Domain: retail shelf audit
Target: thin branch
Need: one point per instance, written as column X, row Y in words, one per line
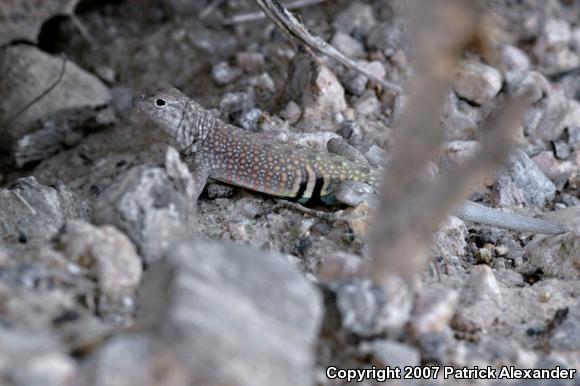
column 294, row 29
column 253, row 16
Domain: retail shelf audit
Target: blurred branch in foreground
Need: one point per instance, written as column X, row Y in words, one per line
column 411, row 208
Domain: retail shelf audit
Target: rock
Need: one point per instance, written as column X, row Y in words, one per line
column 26, row 74
column 356, row 20
column 556, row 34
column 366, row 309
column 291, row 112
column 575, row 40
column 63, row 129
column 515, row 59
column 481, row 286
column 131, row 360
column 460, row 121
column 393, row 354
column 341, row 266
column 34, row 359
column 154, row 208
column 531, row 82
column 217, row 190
column 222, row 73
column 557, row 171
column 250, row 61
column 314, row 87
column 249, row 119
column 433, row 310
column 477, row 82
column 23, row 19
column 522, row 182
column 457, row 152
column 347, row 45
column 30, row 212
column 235, row 103
column 548, row 119
column 107, row 253
column 229, row 301
column 376, row 156
column 449, row 241
column 386, row 37
column 557, row 256
column 185, row 7
column 566, row 336
column 368, row 105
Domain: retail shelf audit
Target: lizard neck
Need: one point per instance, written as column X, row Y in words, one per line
column 194, row 128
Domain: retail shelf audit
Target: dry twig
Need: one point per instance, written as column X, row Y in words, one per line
column 294, row 29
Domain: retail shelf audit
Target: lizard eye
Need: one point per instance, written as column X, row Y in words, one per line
column 160, row 102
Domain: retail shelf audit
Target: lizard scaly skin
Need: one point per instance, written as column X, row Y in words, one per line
column 238, row 157
column 229, row 154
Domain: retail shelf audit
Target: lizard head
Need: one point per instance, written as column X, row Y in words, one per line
column 165, row 107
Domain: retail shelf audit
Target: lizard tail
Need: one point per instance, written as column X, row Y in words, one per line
column 470, row 211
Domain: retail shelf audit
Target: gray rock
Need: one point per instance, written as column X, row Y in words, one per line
column 185, row 7
column 33, row 359
column 23, row 19
column 63, row 129
column 348, row 45
column 555, row 34
column 376, row 156
column 30, row 212
column 357, row 19
column 222, row 73
column 217, row 190
column 314, row 87
column 477, row 82
column 368, row 105
column 557, row 256
column 367, row 309
column 229, row 301
column 522, row 182
column 475, row 317
column 575, row 40
column 531, row 82
column 291, row 112
column 386, row 37
column 26, row 73
column 433, row 310
column 107, row 253
column 151, row 206
column 449, row 241
column 249, row 119
column 394, row 354
column 481, row 286
column 566, row 336
column 515, row 59
column 557, row 171
column 460, row 122
column 250, row 61
column 131, row 360
column 235, row 102
column 548, row 119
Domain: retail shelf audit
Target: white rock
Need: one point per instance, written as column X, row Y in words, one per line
column 477, row 82
column 515, row 59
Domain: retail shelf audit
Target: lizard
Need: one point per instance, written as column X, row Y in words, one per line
column 223, row 152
